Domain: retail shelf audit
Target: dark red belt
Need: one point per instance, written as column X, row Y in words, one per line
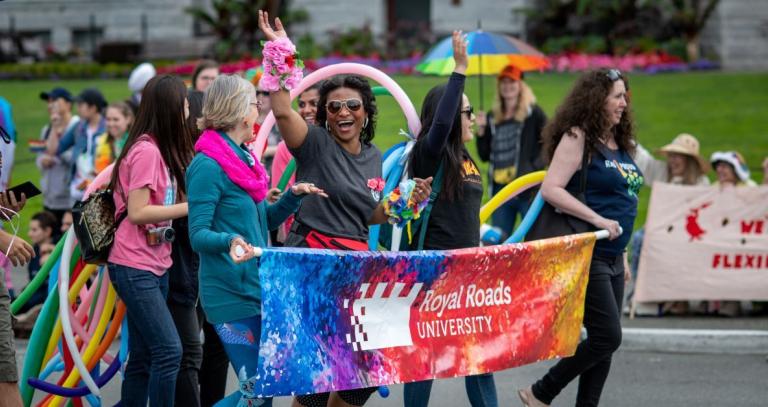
column 317, row 240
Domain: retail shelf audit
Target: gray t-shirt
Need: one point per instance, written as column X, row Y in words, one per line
column 345, row 178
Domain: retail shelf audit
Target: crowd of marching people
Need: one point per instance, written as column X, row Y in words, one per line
column 193, row 202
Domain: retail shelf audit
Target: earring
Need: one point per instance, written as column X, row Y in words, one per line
column 327, row 127
column 365, row 123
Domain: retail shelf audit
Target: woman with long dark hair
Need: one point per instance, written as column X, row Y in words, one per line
column 594, row 116
column 454, row 223
column 147, row 180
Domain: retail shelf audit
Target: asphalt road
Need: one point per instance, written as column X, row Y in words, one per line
column 637, row 379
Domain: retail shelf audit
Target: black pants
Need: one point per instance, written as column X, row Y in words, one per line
column 602, row 318
column 213, row 372
column 187, row 325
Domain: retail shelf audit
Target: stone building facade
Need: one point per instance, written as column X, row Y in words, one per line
column 737, row 33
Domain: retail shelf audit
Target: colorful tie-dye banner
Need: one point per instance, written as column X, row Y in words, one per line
column 344, row 320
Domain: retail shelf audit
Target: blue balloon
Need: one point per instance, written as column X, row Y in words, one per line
column 527, row 222
column 392, row 171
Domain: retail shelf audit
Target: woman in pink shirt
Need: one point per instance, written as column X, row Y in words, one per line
column 147, row 181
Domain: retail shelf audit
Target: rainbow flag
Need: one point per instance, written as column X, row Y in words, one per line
column 37, row 146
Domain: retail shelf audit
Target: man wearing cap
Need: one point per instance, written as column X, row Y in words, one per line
column 56, row 169
column 82, row 140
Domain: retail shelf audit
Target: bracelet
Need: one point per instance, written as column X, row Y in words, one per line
column 282, row 65
column 400, row 207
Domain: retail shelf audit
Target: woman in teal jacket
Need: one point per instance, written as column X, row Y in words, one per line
column 228, row 217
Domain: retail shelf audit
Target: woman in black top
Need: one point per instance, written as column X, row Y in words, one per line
column 446, row 120
column 509, row 137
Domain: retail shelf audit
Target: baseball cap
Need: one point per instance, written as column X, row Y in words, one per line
column 56, row 93
column 511, row 72
column 93, row 97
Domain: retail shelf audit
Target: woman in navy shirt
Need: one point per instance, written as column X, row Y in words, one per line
column 596, row 116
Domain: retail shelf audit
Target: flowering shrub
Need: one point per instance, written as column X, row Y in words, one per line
column 649, row 62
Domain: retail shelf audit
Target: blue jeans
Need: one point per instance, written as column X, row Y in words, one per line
column 481, row 391
column 636, row 245
column 154, row 348
column 505, row 216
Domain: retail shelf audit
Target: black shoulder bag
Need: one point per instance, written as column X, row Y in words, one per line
column 552, row 222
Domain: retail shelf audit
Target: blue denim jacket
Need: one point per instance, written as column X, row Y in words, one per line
column 77, row 139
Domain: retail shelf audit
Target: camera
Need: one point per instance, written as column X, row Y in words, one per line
column 158, row 236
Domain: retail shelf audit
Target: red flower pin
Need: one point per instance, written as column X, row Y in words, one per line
column 376, row 184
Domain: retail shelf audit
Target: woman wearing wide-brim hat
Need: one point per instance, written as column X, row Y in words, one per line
column 683, row 165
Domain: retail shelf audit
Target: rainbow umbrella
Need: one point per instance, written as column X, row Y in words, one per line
column 488, row 54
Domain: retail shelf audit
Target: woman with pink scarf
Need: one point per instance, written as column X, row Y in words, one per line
column 228, row 217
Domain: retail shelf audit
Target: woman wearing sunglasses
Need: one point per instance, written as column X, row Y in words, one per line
column 595, row 115
column 336, row 155
column 446, row 126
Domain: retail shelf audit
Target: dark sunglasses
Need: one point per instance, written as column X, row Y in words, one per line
column 262, row 93
column 303, row 104
column 5, row 136
column 335, row 106
column 469, row 111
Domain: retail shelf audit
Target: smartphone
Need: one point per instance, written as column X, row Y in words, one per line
column 28, row 189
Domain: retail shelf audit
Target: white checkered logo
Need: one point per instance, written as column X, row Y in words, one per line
column 381, row 321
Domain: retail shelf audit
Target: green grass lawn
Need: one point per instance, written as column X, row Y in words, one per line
column 726, row 111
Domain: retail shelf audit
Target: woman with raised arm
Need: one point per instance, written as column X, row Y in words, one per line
column 446, row 126
column 336, row 155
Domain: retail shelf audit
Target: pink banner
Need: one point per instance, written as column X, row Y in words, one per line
column 705, row 243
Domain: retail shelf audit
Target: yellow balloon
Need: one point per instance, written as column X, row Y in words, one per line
column 524, row 182
column 56, row 333
column 74, row 375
